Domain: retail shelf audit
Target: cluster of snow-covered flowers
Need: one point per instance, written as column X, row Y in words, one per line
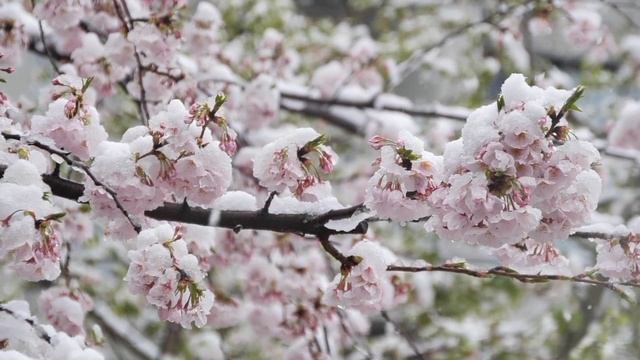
column 170, row 278
column 618, row 255
column 363, row 71
column 626, row 129
column 25, row 339
column 296, row 162
column 71, row 121
column 516, row 181
column 366, row 285
column 65, row 309
column 516, row 172
column 173, row 159
column 406, row 176
column 28, row 232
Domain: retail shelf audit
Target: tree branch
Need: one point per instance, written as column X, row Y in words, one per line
column 525, row 278
column 229, row 219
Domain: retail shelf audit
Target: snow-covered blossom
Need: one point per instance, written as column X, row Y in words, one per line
column 61, row 14
column 508, row 180
column 366, row 286
column 24, row 338
column 169, row 276
column 262, row 102
column 156, row 47
column 105, row 63
column 28, row 232
column 70, row 122
column 274, row 57
column 294, row 162
column 533, row 257
column 65, row 309
column 406, row 176
column 619, row 257
column 626, row 129
column 329, row 78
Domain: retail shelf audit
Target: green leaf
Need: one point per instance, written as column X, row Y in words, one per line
column 86, row 83
column 320, row 140
column 56, row 216
column 407, row 154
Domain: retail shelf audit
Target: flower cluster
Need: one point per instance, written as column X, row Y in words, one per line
column 363, row 71
column 168, row 160
column 625, row 131
column 25, row 339
column 169, row 276
column 71, row 122
column 366, row 286
column 28, row 223
column 406, row 176
column 516, row 173
column 294, row 162
column 65, row 309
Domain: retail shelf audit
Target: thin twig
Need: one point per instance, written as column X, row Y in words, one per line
column 525, row 278
column 415, row 60
column 407, row 337
column 267, row 204
column 45, row 47
column 142, row 103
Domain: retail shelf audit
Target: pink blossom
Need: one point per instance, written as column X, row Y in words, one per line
column 169, row 276
column 65, row 309
column 365, row 286
column 294, row 162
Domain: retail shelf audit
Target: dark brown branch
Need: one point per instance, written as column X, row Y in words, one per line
column 230, row 219
column 267, row 204
column 325, row 113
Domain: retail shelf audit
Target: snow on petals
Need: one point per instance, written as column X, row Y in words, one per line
column 28, row 231
column 65, row 309
column 294, row 162
column 405, row 178
column 170, row 278
column 366, row 286
column 516, row 173
column 72, row 123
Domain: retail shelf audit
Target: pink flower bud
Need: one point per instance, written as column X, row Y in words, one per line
column 377, row 142
column 228, row 143
column 326, row 162
column 70, row 109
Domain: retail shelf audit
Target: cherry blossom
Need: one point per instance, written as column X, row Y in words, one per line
column 508, row 180
column 366, row 286
column 407, row 175
column 200, row 135
column 295, row 162
column 65, row 309
column 165, row 272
